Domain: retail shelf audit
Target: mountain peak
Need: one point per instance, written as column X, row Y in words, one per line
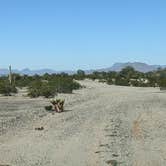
column 142, row 67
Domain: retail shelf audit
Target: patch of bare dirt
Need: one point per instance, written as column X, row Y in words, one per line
column 103, row 125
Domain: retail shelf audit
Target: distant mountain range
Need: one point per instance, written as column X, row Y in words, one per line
column 32, row 72
column 142, row 67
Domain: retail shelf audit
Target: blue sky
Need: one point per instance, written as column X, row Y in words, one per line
column 86, row 34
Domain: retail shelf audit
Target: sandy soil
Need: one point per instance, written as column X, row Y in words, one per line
column 102, row 125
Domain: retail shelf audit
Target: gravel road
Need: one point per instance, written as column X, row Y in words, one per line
column 102, row 126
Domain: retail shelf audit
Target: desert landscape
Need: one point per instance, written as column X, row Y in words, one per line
column 82, row 83
column 102, row 125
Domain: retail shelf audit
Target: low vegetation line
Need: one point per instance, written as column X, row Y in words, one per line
column 49, row 85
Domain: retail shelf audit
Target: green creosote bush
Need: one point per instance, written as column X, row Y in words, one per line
column 122, row 82
column 39, row 88
column 50, row 88
column 64, row 85
column 7, row 89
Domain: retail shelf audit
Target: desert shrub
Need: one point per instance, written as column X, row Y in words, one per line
column 129, row 72
column 33, row 92
column 39, row 88
column 64, row 84
column 110, row 81
column 54, row 84
column 162, row 82
column 102, row 81
column 80, row 75
column 137, row 83
column 47, row 91
column 122, row 81
column 6, row 89
column 22, row 81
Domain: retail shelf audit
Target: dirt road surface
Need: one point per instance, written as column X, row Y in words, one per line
column 102, row 126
